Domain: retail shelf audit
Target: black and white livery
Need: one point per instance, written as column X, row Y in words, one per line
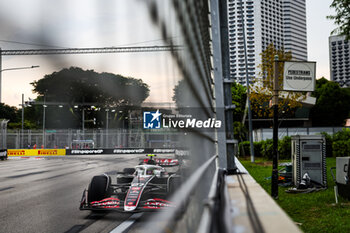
column 143, row 188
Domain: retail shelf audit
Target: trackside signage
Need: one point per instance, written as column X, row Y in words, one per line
column 63, row 152
column 86, row 152
column 299, row 76
column 125, row 151
column 36, row 152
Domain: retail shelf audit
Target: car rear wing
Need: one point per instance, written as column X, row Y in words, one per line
column 163, row 162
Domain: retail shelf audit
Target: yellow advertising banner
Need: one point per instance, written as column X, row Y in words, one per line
column 36, row 152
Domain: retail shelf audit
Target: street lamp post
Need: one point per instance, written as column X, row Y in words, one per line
column 44, row 107
column 22, row 135
column 23, row 105
column 107, row 111
column 83, row 118
column 15, row 68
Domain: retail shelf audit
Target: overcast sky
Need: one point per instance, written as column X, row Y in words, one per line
column 318, row 31
column 82, row 23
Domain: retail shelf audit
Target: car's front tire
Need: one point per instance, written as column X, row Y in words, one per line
column 98, row 188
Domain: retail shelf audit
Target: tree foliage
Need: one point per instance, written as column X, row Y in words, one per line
column 342, row 17
column 332, row 104
column 14, row 116
column 239, row 96
column 18, row 125
column 9, row 113
column 75, row 85
column 180, row 93
column 262, row 88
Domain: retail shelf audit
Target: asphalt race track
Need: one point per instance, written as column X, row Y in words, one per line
column 43, row 195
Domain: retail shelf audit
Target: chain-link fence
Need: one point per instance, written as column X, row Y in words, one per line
column 3, row 134
column 188, row 23
column 189, row 77
column 266, row 133
column 116, row 138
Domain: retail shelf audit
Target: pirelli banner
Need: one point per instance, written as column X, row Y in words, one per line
column 36, row 152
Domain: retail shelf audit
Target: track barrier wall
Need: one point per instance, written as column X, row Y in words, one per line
column 63, row 152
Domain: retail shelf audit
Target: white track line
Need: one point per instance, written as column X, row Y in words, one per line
column 124, row 226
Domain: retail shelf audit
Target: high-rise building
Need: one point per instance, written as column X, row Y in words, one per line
column 339, row 63
column 294, row 28
column 265, row 22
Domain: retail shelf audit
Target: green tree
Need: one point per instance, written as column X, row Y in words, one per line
column 332, row 104
column 262, row 88
column 75, row 85
column 342, row 17
column 9, row 113
column 179, row 91
column 18, row 125
column 239, row 96
column 240, row 131
column 86, row 88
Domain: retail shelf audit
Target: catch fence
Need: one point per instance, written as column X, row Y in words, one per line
column 266, row 133
column 112, row 138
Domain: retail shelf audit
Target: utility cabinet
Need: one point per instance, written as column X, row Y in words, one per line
column 343, row 172
column 343, row 176
column 309, row 156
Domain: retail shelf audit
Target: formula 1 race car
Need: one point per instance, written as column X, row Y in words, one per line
column 143, row 188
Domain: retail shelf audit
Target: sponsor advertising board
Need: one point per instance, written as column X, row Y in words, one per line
column 85, row 151
column 36, row 152
column 63, row 152
column 122, row 151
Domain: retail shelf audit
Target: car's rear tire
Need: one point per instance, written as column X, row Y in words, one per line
column 98, row 188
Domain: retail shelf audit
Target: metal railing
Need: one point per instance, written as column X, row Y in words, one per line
column 266, row 133
column 189, row 23
column 3, row 134
column 170, row 219
column 116, row 138
column 198, row 73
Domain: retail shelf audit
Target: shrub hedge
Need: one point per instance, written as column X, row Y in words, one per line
column 261, row 149
column 341, row 143
column 337, row 145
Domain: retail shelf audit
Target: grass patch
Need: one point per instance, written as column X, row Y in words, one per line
column 316, row 212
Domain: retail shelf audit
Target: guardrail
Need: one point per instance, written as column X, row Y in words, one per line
column 169, row 219
column 216, row 214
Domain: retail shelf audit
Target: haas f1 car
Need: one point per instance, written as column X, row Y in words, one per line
column 143, row 188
